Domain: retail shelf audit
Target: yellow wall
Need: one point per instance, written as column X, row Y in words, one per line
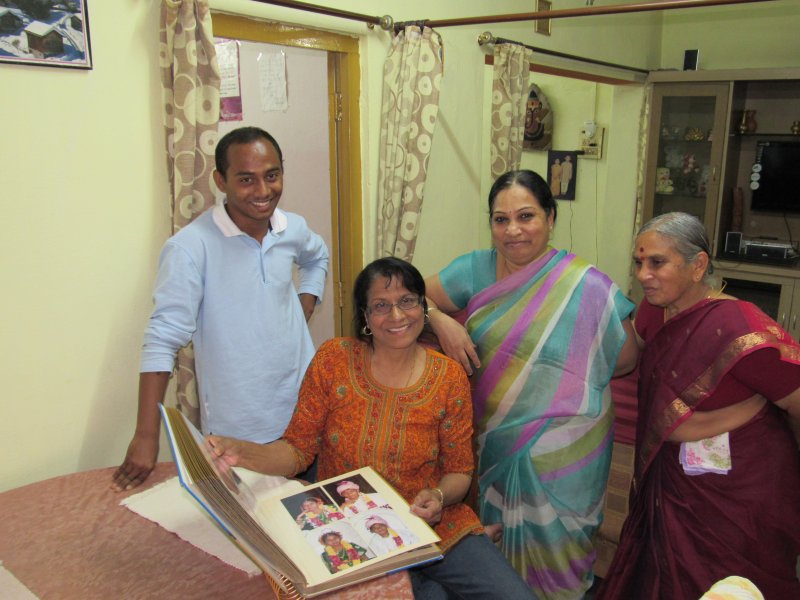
column 83, row 214
column 85, row 200
column 763, row 35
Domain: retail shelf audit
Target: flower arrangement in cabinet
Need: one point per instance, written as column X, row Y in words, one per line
column 686, row 176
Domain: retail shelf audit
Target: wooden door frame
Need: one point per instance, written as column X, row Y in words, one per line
column 344, row 86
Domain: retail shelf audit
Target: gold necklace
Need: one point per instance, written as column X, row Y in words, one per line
column 413, row 366
column 718, row 293
column 410, row 372
column 508, row 268
column 711, row 295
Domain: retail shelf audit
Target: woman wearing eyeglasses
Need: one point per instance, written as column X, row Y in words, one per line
column 382, row 399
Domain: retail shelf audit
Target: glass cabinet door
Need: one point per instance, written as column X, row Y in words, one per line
column 684, row 162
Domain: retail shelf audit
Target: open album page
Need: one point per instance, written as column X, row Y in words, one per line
column 355, row 521
column 318, row 537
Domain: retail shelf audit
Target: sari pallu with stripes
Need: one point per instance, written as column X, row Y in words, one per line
column 548, row 337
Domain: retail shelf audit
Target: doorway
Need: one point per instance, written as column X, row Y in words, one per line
column 320, row 140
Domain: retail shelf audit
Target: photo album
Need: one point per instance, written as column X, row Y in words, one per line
column 307, row 539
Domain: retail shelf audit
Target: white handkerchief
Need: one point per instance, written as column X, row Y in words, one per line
column 171, row 506
column 711, row 455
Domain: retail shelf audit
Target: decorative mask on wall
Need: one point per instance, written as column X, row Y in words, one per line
column 538, row 121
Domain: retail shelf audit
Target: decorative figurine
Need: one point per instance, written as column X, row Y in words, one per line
column 743, row 123
column 752, row 125
column 694, row 134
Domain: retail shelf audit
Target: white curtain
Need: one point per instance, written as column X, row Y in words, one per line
column 190, row 87
column 411, row 80
column 509, row 93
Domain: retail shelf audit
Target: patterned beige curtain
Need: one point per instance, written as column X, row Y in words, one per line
column 411, row 80
column 644, row 127
column 190, row 87
column 509, row 92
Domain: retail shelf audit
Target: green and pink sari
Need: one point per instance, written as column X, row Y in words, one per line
column 548, row 338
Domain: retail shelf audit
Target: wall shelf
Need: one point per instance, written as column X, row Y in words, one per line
column 764, row 134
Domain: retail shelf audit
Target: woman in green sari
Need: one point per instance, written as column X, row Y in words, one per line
column 545, row 331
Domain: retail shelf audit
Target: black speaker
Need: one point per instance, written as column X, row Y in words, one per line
column 690, row 58
column 733, row 243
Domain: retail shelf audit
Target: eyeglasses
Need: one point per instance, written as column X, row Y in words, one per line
column 406, row 303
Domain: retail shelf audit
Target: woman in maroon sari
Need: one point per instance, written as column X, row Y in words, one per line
column 716, row 490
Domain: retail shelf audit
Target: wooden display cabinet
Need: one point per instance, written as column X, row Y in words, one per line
column 769, row 288
column 685, row 149
column 694, row 140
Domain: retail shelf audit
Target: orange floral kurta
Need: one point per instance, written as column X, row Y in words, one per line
column 411, row 436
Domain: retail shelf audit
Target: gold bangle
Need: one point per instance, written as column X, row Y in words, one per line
column 441, row 494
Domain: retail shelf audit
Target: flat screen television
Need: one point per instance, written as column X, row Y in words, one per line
column 775, row 179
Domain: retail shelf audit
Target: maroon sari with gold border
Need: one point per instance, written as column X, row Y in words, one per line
column 686, row 532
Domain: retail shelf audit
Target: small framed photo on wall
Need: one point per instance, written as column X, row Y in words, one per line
column 47, row 34
column 543, row 25
column 562, row 173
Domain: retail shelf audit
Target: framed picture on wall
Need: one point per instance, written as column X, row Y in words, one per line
column 45, row 33
column 562, row 174
column 543, row 25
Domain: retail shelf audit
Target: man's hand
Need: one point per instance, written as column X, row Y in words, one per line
column 143, row 449
column 139, row 462
column 309, row 303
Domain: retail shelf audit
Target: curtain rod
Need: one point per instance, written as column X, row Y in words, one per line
column 385, row 22
column 487, row 38
column 587, row 11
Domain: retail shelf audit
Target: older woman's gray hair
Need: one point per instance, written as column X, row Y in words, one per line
column 687, row 234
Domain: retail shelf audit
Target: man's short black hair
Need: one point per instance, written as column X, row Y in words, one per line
column 243, row 135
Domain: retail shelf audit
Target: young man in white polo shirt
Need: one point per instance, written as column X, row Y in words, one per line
column 225, row 284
